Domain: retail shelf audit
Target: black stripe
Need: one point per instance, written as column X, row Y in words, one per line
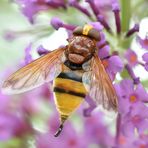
column 71, row 76
column 73, row 66
column 56, row 89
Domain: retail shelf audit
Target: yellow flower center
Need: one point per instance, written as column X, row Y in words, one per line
column 72, row 142
column 142, row 146
column 133, row 58
column 133, row 98
column 122, row 140
column 146, row 41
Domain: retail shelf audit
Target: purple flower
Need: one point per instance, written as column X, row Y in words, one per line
column 143, row 42
column 97, row 26
column 132, row 120
column 131, row 73
column 12, row 125
column 7, row 130
column 142, row 141
column 103, row 47
column 98, row 6
column 97, row 132
column 124, row 142
column 102, row 20
column 133, row 30
column 73, row 137
column 116, row 10
column 131, row 57
column 4, row 102
column 69, row 137
column 28, row 56
column 113, row 65
column 129, row 95
column 136, row 118
column 9, row 35
column 31, row 105
column 104, row 52
column 132, row 141
column 93, row 6
column 145, row 58
column 31, row 7
column 57, row 23
column 42, row 51
column 75, row 3
column 47, row 140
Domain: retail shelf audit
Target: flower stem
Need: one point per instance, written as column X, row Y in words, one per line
column 125, row 14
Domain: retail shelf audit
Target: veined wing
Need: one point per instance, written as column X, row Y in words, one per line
column 99, row 85
column 36, row 73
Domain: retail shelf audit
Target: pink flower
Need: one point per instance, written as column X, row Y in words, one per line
column 131, row 57
column 143, row 42
column 145, row 58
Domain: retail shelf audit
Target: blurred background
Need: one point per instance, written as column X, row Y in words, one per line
column 29, row 120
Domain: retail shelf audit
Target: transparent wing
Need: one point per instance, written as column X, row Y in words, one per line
column 99, row 85
column 42, row 70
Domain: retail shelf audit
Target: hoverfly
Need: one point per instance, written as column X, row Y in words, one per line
column 76, row 72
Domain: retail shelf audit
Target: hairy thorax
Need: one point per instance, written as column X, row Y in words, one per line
column 80, row 49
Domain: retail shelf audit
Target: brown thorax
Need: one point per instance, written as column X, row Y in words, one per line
column 80, row 49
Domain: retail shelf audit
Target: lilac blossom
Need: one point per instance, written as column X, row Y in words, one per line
column 67, row 139
column 145, row 58
column 97, row 26
column 31, row 7
column 57, row 23
column 97, row 132
column 117, row 56
column 42, row 51
column 113, row 65
column 133, row 30
column 75, row 3
column 28, row 57
column 104, row 52
column 18, row 127
column 129, row 95
column 100, row 6
column 101, row 19
column 131, row 73
column 116, row 10
column 136, row 119
column 143, row 42
column 131, row 57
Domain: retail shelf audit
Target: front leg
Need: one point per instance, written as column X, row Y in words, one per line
column 87, row 111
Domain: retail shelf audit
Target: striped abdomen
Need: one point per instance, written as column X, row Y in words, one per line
column 69, row 93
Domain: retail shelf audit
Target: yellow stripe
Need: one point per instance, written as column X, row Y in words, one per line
column 67, row 103
column 86, row 29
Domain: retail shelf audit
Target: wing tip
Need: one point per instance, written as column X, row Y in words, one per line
column 6, row 91
column 5, row 88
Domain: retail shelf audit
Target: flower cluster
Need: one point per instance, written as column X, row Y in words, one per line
column 113, row 21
